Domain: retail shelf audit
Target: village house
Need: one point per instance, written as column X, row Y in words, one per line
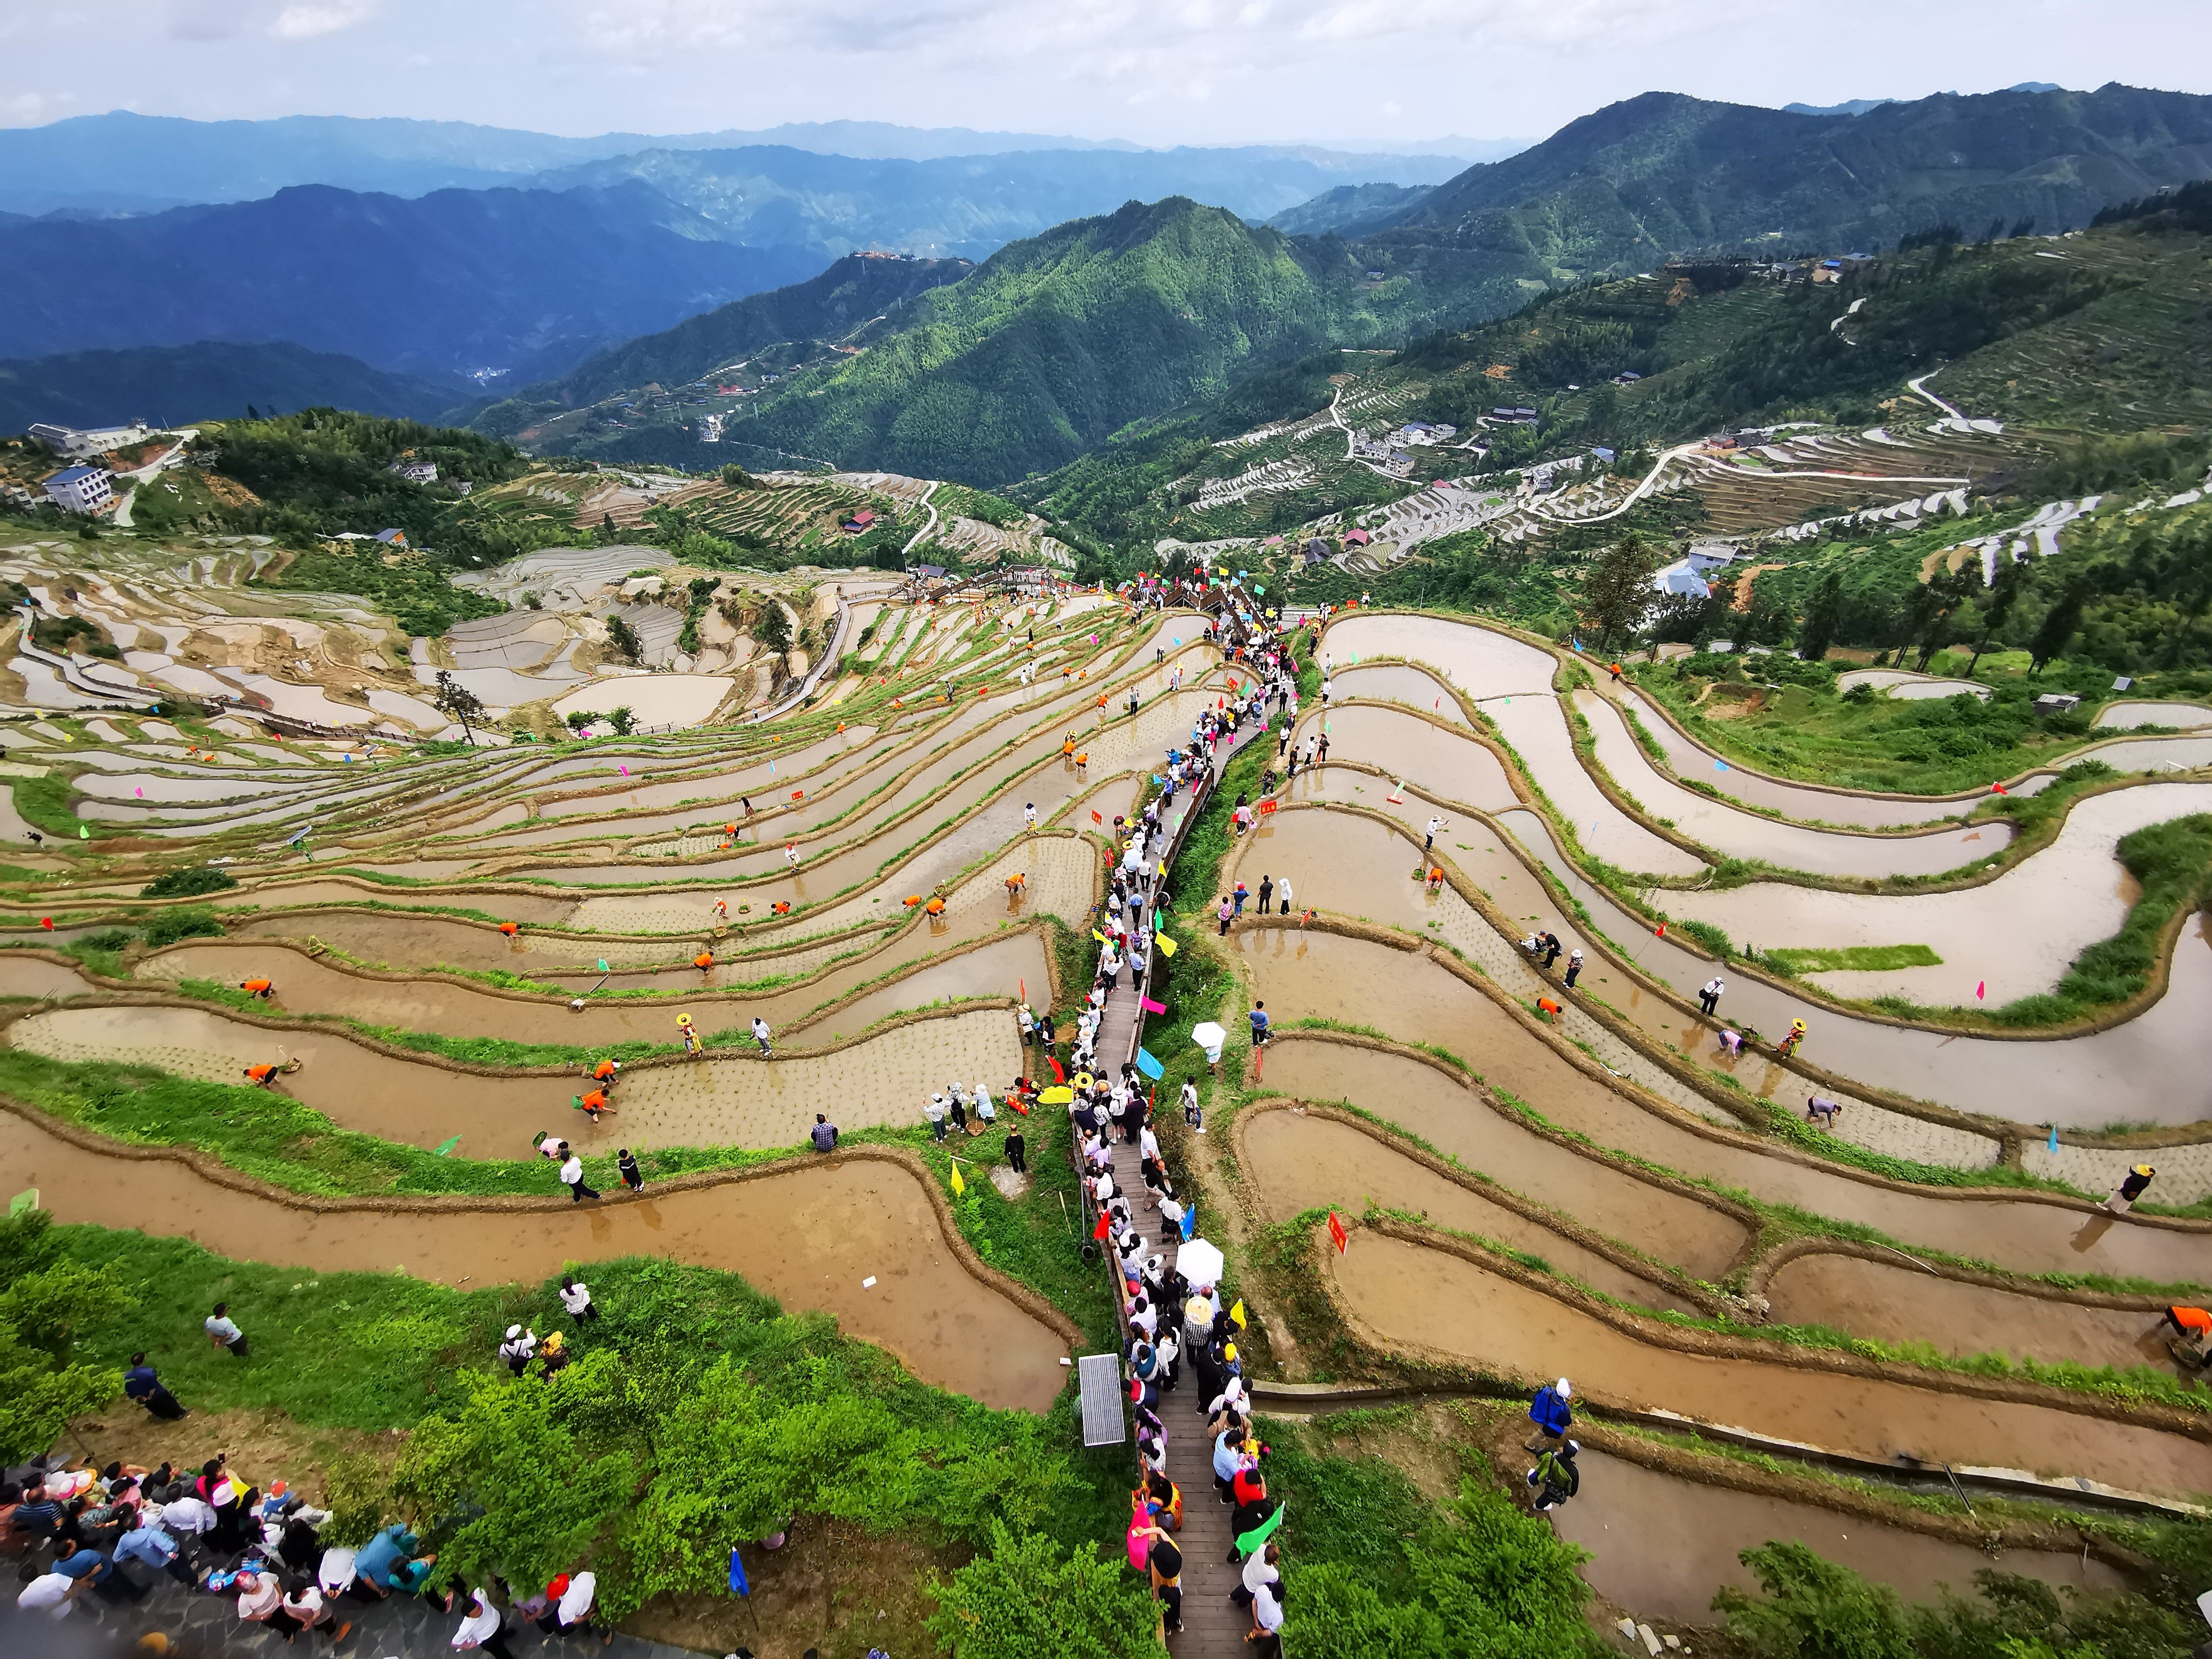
column 81, row 488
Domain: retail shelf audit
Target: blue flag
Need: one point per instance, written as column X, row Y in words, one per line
column 738, row 1585
column 1151, row 1067
column 1577, row 644
column 1189, row 1223
column 1720, row 766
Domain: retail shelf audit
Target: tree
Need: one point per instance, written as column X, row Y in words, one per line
column 453, row 698
column 1932, row 605
column 1027, row 1597
column 1811, row 1608
column 624, row 638
column 2059, row 625
column 1617, row 592
column 772, row 627
column 622, row 720
column 49, row 1303
column 1818, row 629
column 1997, row 609
column 736, row 478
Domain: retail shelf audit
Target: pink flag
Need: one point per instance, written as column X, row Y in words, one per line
column 1153, row 1007
column 1981, row 988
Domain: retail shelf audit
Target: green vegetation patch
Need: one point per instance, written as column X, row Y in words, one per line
column 1861, row 958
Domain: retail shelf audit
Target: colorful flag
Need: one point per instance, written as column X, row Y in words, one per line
column 1336, row 1231
column 1249, row 1543
column 1189, row 1223
column 1999, row 788
column 1146, row 1064
column 959, row 1185
column 1100, row 937
column 1151, row 1006
column 1981, row 990
column 1720, row 766
column 1103, row 1226
column 1167, row 945
column 447, row 1148
column 1236, row 1313
column 1097, row 817
column 737, row 1585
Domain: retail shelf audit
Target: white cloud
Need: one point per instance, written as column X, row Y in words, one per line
column 310, row 21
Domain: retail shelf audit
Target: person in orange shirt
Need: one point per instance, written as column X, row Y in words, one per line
column 594, row 1104
column 722, row 909
column 704, row 961
column 510, row 928
column 264, row 989
column 262, row 1076
column 935, row 907
column 604, row 1073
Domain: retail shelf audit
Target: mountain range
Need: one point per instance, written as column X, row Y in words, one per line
column 970, row 206
column 1661, row 174
column 440, row 285
column 171, row 386
column 120, row 162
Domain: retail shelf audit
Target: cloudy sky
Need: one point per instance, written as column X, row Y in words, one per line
column 1157, row 71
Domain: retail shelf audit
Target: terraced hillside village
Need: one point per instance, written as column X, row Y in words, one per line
column 1751, row 1000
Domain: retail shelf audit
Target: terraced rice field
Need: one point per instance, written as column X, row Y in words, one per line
column 1538, row 1177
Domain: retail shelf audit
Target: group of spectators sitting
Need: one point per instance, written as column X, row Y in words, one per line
column 110, row 1532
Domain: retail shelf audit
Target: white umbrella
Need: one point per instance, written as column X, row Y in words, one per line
column 1199, row 1263
column 1208, row 1036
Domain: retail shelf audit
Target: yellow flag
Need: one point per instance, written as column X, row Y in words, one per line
column 1236, row 1315
column 1167, row 945
column 959, row 1185
column 1100, row 937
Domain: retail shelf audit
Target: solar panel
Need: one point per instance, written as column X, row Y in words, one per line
column 1098, row 1376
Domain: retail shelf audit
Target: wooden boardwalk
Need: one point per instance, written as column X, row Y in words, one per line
column 1213, row 1626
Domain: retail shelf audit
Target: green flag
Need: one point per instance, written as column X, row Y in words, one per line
column 602, row 966
column 448, row 1146
column 84, row 834
column 24, row 1202
column 1250, row 1543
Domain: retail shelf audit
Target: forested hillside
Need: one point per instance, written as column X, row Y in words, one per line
column 171, row 386
column 850, row 293
column 1057, row 342
column 1663, row 174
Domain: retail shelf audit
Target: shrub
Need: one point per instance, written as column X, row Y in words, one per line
column 192, row 880
column 191, row 922
column 1028, row 1596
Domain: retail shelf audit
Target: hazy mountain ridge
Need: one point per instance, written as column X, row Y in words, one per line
column 171, row 386
column 440, row 284
column 970, row 206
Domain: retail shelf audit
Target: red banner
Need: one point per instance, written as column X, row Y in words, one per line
column 1336, row 1232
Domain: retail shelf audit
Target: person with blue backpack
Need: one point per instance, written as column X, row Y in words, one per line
column 1552, row 1411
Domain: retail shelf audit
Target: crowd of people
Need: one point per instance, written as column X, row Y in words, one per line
column 114, row 1532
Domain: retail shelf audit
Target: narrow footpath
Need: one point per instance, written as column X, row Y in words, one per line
column 1214, row 1627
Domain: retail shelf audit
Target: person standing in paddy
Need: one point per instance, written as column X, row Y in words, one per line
column 760, row 1034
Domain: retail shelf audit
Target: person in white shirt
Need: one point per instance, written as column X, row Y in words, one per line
column 574, row 1606
column 1148, row 1143
column 577, row 1299
column 480, row 1629
column 188, row 1514
column 572, row 1178
column 518, row 1348
column 760, row 1033
column 54, row 1593
column 337, row 1571
column 223, row 1332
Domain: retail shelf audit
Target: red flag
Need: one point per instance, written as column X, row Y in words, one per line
column 1267, row 806
column 1058, row 1074
column 1336, row 1231
column 798, row 794
column 1103, row 1227
column 1662, row 930
column 47, row 923
column 1026, row 990
column 1097, row 817
column 2000, row 788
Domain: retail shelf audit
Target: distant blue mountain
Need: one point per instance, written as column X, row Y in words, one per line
column 526, row 281
column 170, row 385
